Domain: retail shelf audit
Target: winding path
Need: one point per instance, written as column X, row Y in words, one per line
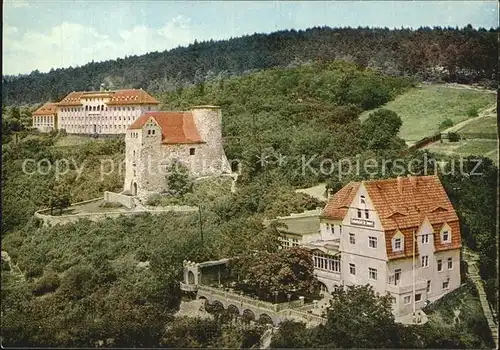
column 14, row 269
column 486, row 112
column 472, row 260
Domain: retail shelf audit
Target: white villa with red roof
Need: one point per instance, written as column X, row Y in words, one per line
column 156, row 139
column 367, row 232
column 95, row 112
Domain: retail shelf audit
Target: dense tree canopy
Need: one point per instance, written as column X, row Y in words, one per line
column 464, row 55
column 360, row 318
column 275, row 275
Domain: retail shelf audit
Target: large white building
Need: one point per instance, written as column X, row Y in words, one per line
column 400, row 235
column 97, row 112
column 45, row 117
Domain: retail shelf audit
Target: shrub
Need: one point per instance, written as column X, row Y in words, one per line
column 47, row 284
column 110, row 205
column 32, row 270
column 178, row 179
column 78, row 282
column 142, row 255
column 5, row 266
column 445, row 124
column 453, row 137
column 153, row 200
column 472, row 112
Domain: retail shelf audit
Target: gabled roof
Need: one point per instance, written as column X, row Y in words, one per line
column 117, row 97
column 176, row 127
column 337, row 206
column 47, row 109
column 132, row 96
column 402, row 204
column 412, row 200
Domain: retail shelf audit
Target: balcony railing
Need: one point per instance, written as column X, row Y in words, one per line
column 399, row 288
column 188, row 287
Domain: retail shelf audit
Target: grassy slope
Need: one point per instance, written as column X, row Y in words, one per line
column 461, row 309
column 74, row 140
column 481, row 125
column 484, row 147
column 423, row 109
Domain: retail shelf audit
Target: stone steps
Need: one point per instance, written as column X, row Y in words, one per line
column 473, row 273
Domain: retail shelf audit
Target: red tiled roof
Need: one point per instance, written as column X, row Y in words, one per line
column 337, row 206
column 403, row 204
column 456, row 239
column 407, row 244
column 406, row 204
column 132, row 96
column 118, row 97
column 176, row 127
column 47, row 109
column 73, row 99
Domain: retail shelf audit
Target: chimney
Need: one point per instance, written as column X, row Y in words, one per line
column 102, row 87
column 400, row 185
column 413, row 180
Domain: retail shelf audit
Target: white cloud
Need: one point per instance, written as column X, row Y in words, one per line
column 72, row 44
column 17, row 3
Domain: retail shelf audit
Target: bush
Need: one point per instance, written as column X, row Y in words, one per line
column 445, row 124
column 453, row 137
column 178, row 179
column 472, row 112
column 33, row 270
column 78, row 282
column 5, row 266
column 153, row 200
column 142, row 255
column 47, row 284
column 111, row 205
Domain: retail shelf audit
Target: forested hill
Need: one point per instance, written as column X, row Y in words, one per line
column 465, row 55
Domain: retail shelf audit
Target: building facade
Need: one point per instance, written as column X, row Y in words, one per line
column 45, row 117
column 157, row 139
column 401, row 236
column 101, row 112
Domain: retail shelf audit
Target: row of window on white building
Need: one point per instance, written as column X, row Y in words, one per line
column 99, row 108
column 105, row 118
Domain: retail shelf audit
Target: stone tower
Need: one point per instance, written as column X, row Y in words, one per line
column 157, row 139
column 208, row 120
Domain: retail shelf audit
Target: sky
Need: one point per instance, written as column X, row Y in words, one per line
column 45, row 34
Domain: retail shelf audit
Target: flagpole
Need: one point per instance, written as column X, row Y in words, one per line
column 413, row 271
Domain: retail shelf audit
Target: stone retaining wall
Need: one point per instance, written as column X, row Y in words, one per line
column 49, row 220
column 44, row 212
column 126, row 201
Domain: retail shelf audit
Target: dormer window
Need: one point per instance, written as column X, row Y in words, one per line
column 398, row 242
column 362, row 200
column 446, row 234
